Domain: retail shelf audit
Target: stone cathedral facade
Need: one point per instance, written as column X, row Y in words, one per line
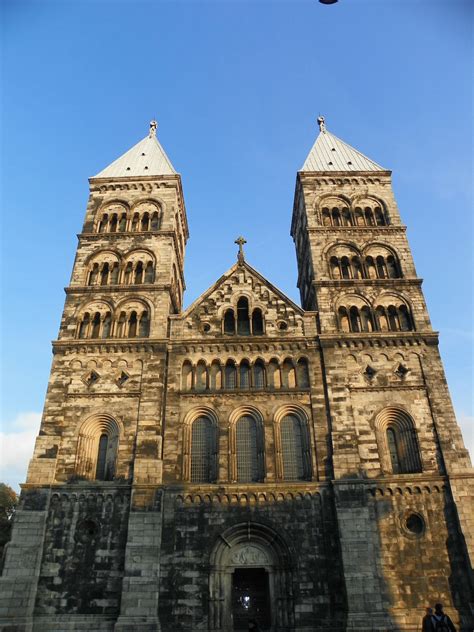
column 246, row 457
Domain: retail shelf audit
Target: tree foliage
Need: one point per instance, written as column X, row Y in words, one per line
column 8, row 503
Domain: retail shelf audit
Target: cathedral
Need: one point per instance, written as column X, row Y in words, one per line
column 244, row 459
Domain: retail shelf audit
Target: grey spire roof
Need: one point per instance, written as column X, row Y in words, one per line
column 146, row 158
column 330, row 153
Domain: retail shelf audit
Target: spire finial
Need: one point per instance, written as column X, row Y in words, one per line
column 240, row 241
column 153, row 126
column 321, row 123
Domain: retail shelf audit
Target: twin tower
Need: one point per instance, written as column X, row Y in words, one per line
column 244, row 458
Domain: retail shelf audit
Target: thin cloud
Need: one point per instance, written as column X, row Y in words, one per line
column 16, row 448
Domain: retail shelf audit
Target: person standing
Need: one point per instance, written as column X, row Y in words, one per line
column 441, row 622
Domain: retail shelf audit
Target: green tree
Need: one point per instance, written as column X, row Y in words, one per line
column 8, row 503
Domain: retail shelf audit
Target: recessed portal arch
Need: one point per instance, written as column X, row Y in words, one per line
column 251, row 577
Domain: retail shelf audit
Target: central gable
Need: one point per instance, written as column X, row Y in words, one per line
column 244, row 297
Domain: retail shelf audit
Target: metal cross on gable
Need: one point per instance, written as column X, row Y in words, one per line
column 240, row 241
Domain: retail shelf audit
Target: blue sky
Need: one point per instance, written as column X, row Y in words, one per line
column 236, row 87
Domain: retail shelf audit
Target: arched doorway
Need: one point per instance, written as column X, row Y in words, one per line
column 251, row 578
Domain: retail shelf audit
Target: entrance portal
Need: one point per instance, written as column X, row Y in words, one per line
column 250, row 598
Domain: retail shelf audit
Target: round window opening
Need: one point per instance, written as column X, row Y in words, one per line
column 87, row 531
column 282, row 326
column 415, row 524
column 206, row 328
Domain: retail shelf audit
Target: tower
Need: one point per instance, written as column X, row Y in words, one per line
column 245, row 457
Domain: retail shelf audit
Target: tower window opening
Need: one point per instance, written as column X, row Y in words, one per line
column 243, row 321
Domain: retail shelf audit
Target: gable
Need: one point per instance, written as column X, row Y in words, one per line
column 206, row 315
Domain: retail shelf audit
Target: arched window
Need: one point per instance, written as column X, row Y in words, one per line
column 393, row 318
column 243, row 321
column 399, row 444
column 346, row 217
column 84, row 326
column 104, row 220
column 94, row 273
column 273, row 374
column 257, row 322
column 187, row 376
column 370, row 267
column 144, row 328
column 293, row 448
column 244, row 374
column 345, row 268
column 145, row 223
column 326, row 217
column 216, row 376
column 121, row 325
column 369, row 217
column 259, row 374
column 230, row 375
column 113, row 223
column 366, row 319
column 302, row 373
column 404, row 317
column 356, row 268
column 203, row 451
column 132, row 325
column 359, row 217
column 149, row 272
column 382, row 318
column 201, row 376
column 335, row 269
column 104, row 274
column 114, row 274
column 381, row 269
column 379, row 217
column 336, row 217
column 128, row 273
column 288, row 374
column 249, row 451
column 354, row 319
column 229, row 322
column 95, row 325
column 97, row 448
column 135, row 221
column 123, row 223
column 393, row 268
column 343, row 319
column 138, row 273
column 155, row 221
column 106, row 325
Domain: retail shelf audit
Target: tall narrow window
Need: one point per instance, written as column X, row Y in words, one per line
column 84, row 326
column 244, row 374
column 343, row 319
column 94, row 273
column 121, row 325
column 102, row 458
column 247, row 450
column 326, row 217
column 123, row 223
column 393, row 450
column 369, row 217
column 302, row 373
column 393, row 318
column 104, row 274
column 288, row 374
column 128, row 273
column 382, row 318
column 155, row 221
column 354, row 319
column 243, row 321
column 335, row 269
column 257, row 322
column 139, row 273
column 113, row 223
column 292, row 448
column 392, row 267
column 144, row 328
column 404, row 318
column 106, row 325
column 379, row 217
column 187, row 376
column 229, row 322
column 135, row 221
column 259, row 374
column 203, row 451
column 359, row 217
column 230, row 375
column 366, row 319
column 201, row 376
column 215, row 376
column 345, row 268
column 114, row 274
column 149, row 272
column 356, row 268
column 274, row 374
column 346, row 217
column 336, row 217
column 132, row 325
column 381, row 269
column 103, row 223
column 145, row 223
column 95, row 325
column 370, row 267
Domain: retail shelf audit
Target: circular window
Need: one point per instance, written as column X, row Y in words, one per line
column 87, row 530
column 414, row 524
column 206, row 328
column 282, row 326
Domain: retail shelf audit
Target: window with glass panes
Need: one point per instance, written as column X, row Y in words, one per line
column 203, row 448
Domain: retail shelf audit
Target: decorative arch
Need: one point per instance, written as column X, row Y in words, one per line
column 97, row 447
column 292, row 444
column 207, row 452
column 398, row 442
column 251, row 545
column 247, row 445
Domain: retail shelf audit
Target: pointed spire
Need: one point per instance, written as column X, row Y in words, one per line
column 146, row 158
column 330, row 153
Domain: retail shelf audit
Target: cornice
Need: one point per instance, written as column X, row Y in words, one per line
column 379, row 339
column 128, row 233
column 117, row 288
column 343, row 283
column 137, row 345
column 370, row 230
